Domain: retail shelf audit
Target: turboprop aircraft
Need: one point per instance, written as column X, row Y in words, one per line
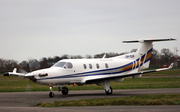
column 95, row 71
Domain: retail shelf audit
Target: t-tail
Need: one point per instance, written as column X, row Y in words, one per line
column 143, row 54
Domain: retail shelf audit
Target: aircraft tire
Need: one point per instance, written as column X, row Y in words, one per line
column 51, row 94
column 65, row 91
column 109, row 92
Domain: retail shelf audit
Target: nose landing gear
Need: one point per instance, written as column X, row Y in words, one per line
column 51, row 94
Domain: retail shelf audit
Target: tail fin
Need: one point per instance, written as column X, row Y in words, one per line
column 143, row 55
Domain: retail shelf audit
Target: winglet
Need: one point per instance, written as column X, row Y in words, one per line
column 171, row 66
column 15, row 70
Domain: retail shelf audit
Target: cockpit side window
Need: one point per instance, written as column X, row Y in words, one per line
column 69, row 65
column 59, row 64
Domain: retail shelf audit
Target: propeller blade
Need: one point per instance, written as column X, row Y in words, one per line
column 28, row 87
column 20, row 70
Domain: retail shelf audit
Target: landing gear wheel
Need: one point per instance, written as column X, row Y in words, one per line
column 65, row 90
column 51, row 94
column 109, row 92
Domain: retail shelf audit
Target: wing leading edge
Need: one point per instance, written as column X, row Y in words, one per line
column 14, row 73
column 91, row 81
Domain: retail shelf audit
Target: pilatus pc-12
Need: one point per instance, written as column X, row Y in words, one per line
column 95, row 71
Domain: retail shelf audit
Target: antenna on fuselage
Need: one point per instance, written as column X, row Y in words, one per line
column 104, row 56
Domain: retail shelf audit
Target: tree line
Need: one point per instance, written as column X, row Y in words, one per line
column 165, row 57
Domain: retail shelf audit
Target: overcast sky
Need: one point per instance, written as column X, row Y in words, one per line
column 48, row 28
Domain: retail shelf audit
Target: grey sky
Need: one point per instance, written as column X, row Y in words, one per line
column 46, row 28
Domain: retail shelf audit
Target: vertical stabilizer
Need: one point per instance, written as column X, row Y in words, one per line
column 143, row 54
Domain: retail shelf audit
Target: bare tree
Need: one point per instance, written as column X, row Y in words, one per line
column 99, row 55
column 88, row 56
column 7, row 65
column 65, row 56
column 155, row 58
column 166, row 56
column 75, row 57
column 133, row 50
column 2, row 63
column 34, row 64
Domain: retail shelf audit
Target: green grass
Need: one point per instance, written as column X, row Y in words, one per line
column 167, row 99
column 18, row 84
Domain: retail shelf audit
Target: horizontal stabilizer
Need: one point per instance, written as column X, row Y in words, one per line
column 148, row 40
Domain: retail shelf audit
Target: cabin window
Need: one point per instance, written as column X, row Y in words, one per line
column 69, row 65
column 97, row 65
column 106, row 65
column 84, row 66
column 90, row 66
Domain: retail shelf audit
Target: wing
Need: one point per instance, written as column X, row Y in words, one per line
column 14, row 73
column 96, row 80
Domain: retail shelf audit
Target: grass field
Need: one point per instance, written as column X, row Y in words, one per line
column 19, row 84
column 167, row 99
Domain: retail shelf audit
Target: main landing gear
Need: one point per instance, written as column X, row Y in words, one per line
column 64, row 91
column 109, row 92
column 107, row 88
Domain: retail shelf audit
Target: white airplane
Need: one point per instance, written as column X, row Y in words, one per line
column 95, row 71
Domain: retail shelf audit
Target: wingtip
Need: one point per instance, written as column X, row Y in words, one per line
column 171, row 66
column 172, row 38
column 15, row 70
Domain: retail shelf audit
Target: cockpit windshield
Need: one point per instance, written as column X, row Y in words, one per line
column 63, row 65
column 59, row 64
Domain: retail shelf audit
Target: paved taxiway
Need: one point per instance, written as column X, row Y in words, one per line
column 25, row 100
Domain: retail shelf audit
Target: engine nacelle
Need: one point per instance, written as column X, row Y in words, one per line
column 136, row 76
column 119, row 79
column 6, row 74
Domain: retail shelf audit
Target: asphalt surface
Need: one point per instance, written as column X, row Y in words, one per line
column 26, row 101
column 95, row 109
